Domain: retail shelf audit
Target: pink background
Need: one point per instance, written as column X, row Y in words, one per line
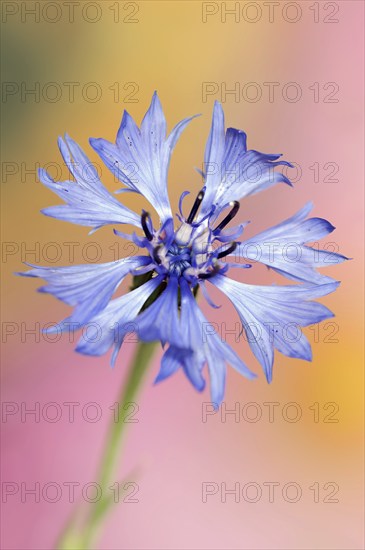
column 172, row 50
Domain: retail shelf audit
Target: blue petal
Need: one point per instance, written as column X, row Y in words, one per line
column 160, row 321
column 141, row 157
column 282, row 247
column 88, row 202
column 232, row 172
column 117, row 320
column 206, row 346
column 176, row 357
column 217, row 377
column 190, row 346
column 284, row 343
column 170, row 363
column 213, row 158
column 88, row 287
column 270, row 314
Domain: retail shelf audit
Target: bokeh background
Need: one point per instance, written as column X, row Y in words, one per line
column 113, row 55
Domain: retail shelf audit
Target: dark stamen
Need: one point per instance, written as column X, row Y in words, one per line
column 156, row 257
column 197, row 203
column 227, row 251
column 145, row 216
column 215, row 270
column 235, row 208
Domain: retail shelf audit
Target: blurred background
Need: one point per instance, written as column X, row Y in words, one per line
column 291, row 75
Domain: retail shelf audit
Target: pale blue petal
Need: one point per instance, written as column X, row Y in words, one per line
column 87, row 287
column 231, row 171
column 140, row 157
column 115, row 321
column 271, row 314
column 88, row 202
column 213, row 158
column 217, row 377
column 283, row 248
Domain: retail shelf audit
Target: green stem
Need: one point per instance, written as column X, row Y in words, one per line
column 127, row 395
column 70, row 538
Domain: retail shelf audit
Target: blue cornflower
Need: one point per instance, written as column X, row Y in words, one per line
column 179, row 259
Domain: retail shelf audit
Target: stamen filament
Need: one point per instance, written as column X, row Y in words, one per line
column 215, row 270
column 235, row 208
column 144, row 221
column 156, row 257
column 227, row 251
column 196, row 205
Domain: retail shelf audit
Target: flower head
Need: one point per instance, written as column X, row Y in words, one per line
column 176, row 259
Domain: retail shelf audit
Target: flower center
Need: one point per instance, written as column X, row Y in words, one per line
column 179, row 258
column 188, row 251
